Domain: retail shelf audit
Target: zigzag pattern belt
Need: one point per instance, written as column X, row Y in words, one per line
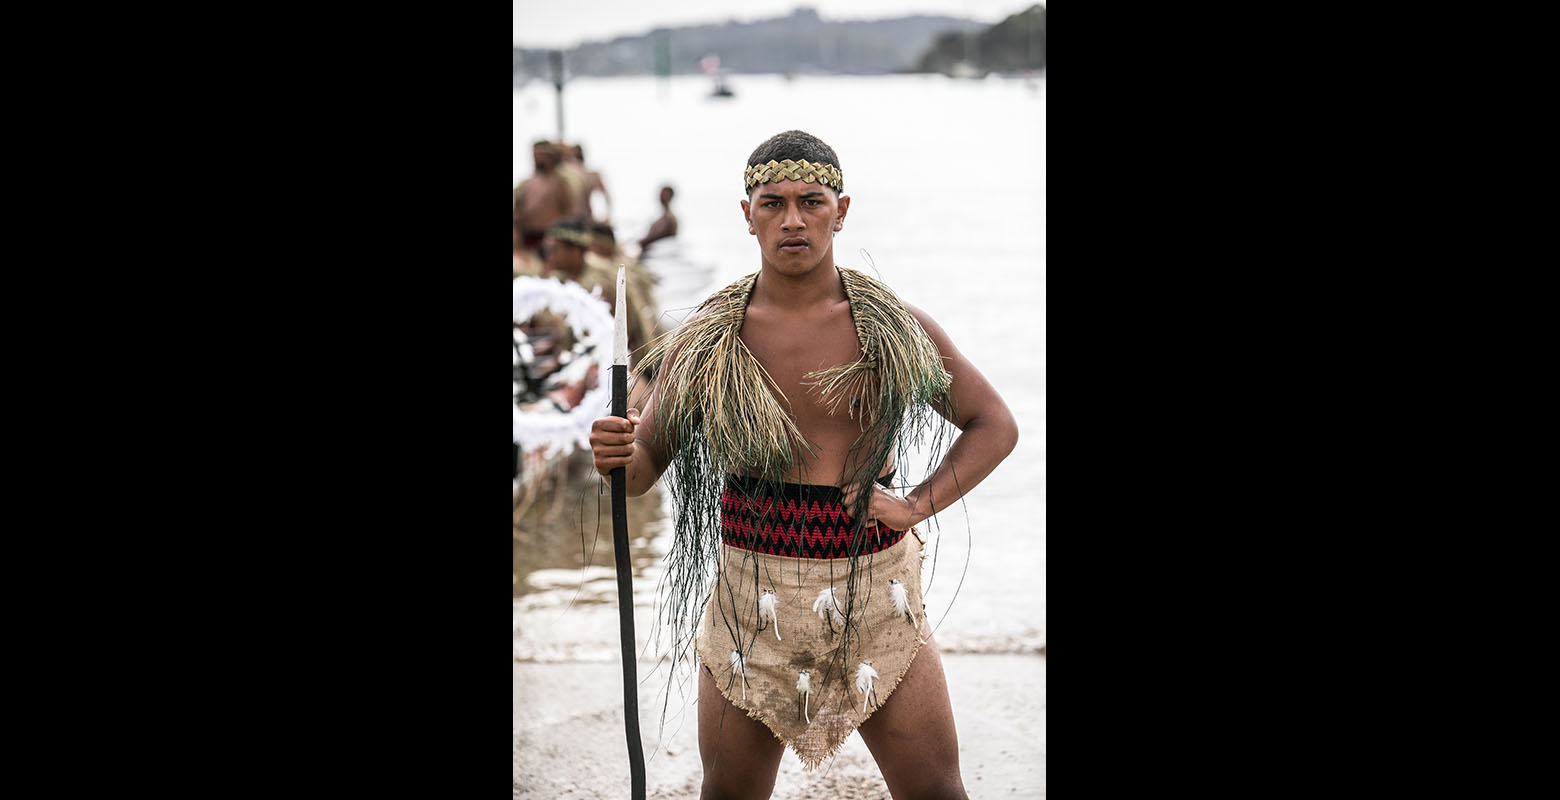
column 800, row 521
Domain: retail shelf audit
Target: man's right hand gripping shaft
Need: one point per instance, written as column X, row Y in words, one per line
column 612, row 442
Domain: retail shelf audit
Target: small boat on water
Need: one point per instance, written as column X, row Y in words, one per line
column 710, row 65
column 964, row 70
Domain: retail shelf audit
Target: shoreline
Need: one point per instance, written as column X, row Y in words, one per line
column 568, row 738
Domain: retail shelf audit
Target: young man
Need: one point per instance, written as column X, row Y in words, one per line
column 784, row 404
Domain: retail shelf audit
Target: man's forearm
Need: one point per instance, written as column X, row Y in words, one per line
column 641, row 472
column 978, row 450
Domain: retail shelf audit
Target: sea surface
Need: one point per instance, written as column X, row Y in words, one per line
column 948, row 185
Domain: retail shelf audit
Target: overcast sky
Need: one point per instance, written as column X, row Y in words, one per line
column 565, row 23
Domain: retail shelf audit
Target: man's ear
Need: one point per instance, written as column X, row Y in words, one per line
column 747, row 214
column 844, row 208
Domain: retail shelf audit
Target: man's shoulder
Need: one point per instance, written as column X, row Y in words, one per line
column 866, row 287
column 880, row 293
column 537, row 182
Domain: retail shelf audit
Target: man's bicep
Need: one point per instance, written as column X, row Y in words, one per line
column 972, row 396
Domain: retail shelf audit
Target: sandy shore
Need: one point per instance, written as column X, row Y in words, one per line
column 569, row 741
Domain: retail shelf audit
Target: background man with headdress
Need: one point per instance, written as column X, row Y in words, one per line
column 575, row 251
column 605, row 255
column 568, row 256
column 564, row 252
column 785, row 405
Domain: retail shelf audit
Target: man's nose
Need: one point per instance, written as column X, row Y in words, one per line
column 793, row 218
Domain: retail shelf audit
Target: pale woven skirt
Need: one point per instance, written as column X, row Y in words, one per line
column 817, row 724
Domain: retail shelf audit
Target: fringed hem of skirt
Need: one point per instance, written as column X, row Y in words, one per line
column 811, row 763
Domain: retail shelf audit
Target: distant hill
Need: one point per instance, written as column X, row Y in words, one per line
column 1012, row 45
column 799, row 43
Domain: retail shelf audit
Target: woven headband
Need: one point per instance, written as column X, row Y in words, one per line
column 570, row 236
column 788, row 170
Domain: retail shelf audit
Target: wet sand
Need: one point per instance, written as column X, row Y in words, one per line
column 569, row 740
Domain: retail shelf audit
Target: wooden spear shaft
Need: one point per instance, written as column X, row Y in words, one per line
column 625, row 572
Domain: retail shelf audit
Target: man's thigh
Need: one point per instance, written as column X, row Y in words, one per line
column 912, row 736
column 740, row 754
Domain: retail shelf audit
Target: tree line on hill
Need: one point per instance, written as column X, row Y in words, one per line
column 802, row 43
column 1015, row 44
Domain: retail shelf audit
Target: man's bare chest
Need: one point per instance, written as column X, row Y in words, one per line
column 789, row 350
column 540, row 190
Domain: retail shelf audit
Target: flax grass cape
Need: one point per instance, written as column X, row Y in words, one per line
column 720, row 414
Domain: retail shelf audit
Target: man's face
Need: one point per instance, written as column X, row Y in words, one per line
column 795, row 223
column 564, row 258
column 545, row 158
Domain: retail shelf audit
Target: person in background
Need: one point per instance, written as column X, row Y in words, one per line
column 542, row 199
column 527, row 262
column 564, row 251
column 563, row 257
column 571, row 169
column 604, row 257
column 640, row 279
column 596, row 201
column 664, row 227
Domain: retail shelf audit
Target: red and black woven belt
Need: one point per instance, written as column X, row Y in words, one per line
column 797, row 520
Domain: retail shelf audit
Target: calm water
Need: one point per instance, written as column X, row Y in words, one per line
column 949, row 198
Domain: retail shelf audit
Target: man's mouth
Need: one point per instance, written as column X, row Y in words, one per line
column 795, row 244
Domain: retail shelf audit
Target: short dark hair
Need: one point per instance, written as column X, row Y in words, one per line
column 602, row 230
column 797, row 146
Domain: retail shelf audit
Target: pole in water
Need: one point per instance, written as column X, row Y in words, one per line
column 556, row 58
column 625, row 576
